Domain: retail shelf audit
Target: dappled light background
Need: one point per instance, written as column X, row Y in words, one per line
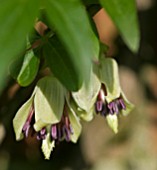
column 134, row 147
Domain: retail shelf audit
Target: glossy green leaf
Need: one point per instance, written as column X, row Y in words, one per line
column 29, row 69
column 110, row 78
column 15, row 67
column 15, row 24
column 48, row 102
column 112, row 121
column 47, row 146
column 21, row 117
column 86, row 96
column 61, row 64
column 72, row 25
column 124, row 15
column 90, row 2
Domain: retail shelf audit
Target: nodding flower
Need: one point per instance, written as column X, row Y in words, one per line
column 105, row 108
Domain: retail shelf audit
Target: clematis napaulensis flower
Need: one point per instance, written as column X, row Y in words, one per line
column 102, row 95
column 48, row 115
column 111, row 101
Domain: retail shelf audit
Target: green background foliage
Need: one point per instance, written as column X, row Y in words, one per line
column 69, row 21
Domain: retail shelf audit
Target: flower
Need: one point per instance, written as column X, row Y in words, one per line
column 49, row 115
column 103, row 94
column 111, row 101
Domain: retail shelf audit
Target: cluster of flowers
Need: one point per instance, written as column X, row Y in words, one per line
column 54, row 114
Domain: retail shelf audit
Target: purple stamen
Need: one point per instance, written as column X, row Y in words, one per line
column 122, row 104
column 43, row 131
column 30, row 115
column 66, row 133
column 59, row 132
column 54, row 132
column 115, row 108
column 27, row 124
column 26, row 128
column 99, row 106
column 104, row 111
column 41, row 135
column 110, row 106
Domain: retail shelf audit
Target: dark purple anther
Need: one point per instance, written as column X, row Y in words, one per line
column 41, row 135
column 27, row 124
column 66, row 133
column 26, row 128
column 43, row 131
column 59, row 133
column 115, row 108
column 54, row 132
column 104, row 111
column 110, row 107
column 98, row 106
column 122, row 104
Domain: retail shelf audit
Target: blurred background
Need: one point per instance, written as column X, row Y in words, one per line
column 134, row 147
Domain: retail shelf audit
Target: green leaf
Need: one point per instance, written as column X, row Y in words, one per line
column 21, row 117
column 112, row 121
column 48, row 102
column 110, row 78
column 90, row 2
column 67, row 18
column 29, row 69
column 61, row 64
column 47, row 146
column 15, row 24
column 15, row 67
column 124, row 15
column 86, row 96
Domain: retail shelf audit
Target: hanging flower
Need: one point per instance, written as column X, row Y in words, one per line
column 104, row 93
column 48, row 115
column 111, row 101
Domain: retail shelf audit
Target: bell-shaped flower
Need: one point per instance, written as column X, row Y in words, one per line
column 111, row 101
column 49, row 116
